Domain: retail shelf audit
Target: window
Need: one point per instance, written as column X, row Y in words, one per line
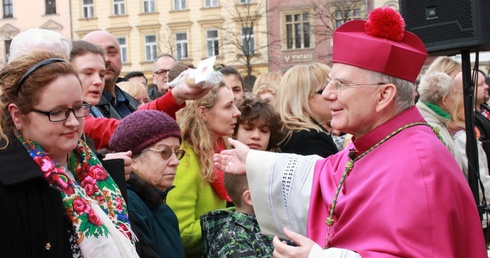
column 210, row 3
column 343, row 16
column 212, row 43
column 148, row 6
column 8, row 11
column 181, row 45
column 150, row 47
column 248, row 40
column 50, row 6
column 179, row 5
column 124, row 49
column 88, row 8
column 119, row 8
column 7, row 49
column 298, row 31
column 246, row 1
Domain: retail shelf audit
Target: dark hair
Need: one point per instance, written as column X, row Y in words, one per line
column 134, row 74
column 177, row 69
column 82, row 47
column 255, row 109
column 235, row 185
column 228, row 70
column 28, row 94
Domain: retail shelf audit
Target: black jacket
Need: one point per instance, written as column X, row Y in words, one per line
column 32, row 220
column 109, row 111
column 310, row 142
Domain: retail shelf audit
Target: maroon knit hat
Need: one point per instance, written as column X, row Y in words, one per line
column 142, row 129
column 380, row 44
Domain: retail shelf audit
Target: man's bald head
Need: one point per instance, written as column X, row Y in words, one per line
column 112, row 55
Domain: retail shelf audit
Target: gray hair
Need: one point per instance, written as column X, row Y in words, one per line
column 405, row 89
column 39, row 40
column 433, row 86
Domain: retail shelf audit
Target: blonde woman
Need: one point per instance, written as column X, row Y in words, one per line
column 304, row 111
column 264, row 78
column 457, row 128
column 199, row 188
column 137, row 90
column 446, row 65
column 268, row 92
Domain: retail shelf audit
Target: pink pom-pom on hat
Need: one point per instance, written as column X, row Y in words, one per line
column 380, row 44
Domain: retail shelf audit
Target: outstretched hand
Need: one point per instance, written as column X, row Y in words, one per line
column 232, row 161
column 282, row 249
column 183, row 91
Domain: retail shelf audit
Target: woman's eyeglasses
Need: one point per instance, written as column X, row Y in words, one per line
column 62, row 114
column 166, row 153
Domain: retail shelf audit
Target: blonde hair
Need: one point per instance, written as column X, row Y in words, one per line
column 265, row 77
column 457, row 119
column 196, row 131
column 297, row 85
column 444, row 64
column 133, row 88
column 267, row 87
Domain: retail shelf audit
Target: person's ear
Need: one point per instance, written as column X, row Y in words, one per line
column 386, row 96
column 16, row 115
column 203, row 113
column 247, row 197
column 444, row 100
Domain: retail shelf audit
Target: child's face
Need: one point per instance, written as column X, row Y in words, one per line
column 256, row 136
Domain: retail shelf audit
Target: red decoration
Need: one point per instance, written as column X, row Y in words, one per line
column 384, row 22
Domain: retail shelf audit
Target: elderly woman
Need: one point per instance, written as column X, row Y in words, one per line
column 437, row 92
column 56, row 199
column 154, row 138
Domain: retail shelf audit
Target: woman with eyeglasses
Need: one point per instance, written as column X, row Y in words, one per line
column 56, row 199
column 304, row 111
column 154, row 139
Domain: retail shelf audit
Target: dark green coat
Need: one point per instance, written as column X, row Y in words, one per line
column 153, row 220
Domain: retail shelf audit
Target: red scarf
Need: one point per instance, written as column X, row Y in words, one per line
column 218, row 184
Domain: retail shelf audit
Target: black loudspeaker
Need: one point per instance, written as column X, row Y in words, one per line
column 449, row 26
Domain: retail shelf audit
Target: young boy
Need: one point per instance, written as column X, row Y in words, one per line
column 234, row 232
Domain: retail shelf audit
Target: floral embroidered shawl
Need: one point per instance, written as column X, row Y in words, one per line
column 92, row 202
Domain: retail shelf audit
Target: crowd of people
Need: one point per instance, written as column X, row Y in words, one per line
column 352, row 160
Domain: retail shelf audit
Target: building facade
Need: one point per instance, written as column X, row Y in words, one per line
column 20, row 15
column 190, row 30
column 301, row 31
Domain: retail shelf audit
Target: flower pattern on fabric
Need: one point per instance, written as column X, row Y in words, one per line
column 94, row 184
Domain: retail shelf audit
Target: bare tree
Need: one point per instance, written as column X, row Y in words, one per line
column 331, row 14
column 166, row 42
column 241, row 34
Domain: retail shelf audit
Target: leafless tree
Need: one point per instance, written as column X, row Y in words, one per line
column 331, row 14
column 242, row 33
column 166, row 43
